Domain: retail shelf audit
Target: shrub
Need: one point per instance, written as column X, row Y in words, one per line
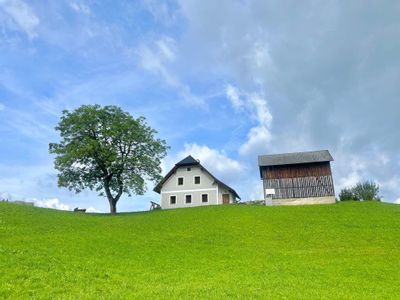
column 347, row 195
column 367, row 191
column 362, row 191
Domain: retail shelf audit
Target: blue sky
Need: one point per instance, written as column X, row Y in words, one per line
column 222, row 81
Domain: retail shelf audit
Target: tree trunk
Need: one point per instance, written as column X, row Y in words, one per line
column 113, row 206
column 112, row 200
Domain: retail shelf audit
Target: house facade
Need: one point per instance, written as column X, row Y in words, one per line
column 298, row 178
column 189, row 184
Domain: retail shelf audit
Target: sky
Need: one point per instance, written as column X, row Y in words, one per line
column 224, row 81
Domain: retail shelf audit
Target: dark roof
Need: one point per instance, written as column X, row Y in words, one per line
column 190, row 161
column 294, row 158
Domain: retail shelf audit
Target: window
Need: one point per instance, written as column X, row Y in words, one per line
column 204, row 198
column 188, row 169
column 180, row 180
column 172, row 199
column 196, row 179
column 188, row 198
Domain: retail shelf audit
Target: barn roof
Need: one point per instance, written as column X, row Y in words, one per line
column 190, row 161
column 294, row 158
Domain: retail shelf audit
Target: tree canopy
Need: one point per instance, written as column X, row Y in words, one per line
column 107, row 150
column 362, row 191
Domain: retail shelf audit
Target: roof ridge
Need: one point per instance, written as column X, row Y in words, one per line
column 294, row 158
column 292, row 153
column 188, row 160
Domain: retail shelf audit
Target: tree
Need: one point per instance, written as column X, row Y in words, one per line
column 105, row 149
column 367, row 191
column 362, row 191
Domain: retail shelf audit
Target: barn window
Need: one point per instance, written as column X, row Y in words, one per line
column 180, row 180
column 196, row 179
column 188, row 169
column 204, row 198
column 172, row 199
column 188, row 199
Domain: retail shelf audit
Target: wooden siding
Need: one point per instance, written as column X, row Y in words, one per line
column 299, row 181
column 300, row 170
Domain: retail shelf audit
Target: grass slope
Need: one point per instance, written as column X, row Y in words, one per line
column 349, row 250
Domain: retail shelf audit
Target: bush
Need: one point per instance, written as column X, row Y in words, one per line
column 362, row 191
column 367, row 191
column 347, row 195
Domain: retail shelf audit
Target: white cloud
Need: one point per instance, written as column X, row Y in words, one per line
column 232, row 93
column 352, row 170
column 29, row 124
column 50, row 107
column 22, row 15
column 397, row 201
column 256, row 192
column 254, row 105
column 157, row 58
column 91, row 209
column 53, row 203
column 167, row 48
column 383, row 159
column 258, row 61
column 216, row 161
column 257, row 142
column 260, row 55
column 260, row 109
column 6, row 196
column 259, row 137
column 80, row 8
column 161, row 11
column 390, row 184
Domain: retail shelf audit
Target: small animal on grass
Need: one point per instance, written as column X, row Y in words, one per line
column 77, row 209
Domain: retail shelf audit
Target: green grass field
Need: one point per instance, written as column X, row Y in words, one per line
column 346, row 251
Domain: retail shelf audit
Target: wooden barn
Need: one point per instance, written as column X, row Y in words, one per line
column 298, row 178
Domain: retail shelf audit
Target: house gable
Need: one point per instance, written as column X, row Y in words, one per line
column 188, row 183
column 206, row 181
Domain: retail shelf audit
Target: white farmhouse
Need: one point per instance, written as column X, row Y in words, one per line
column 189, row 184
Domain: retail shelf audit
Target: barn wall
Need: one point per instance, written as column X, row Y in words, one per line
column 299, row 181
column 304, row 201
column 298, row 170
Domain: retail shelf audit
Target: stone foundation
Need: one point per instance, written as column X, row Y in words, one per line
column 304, row 201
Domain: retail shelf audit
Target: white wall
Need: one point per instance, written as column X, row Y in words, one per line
column 206, row 186
column 171, row 188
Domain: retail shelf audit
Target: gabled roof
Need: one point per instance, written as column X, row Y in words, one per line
column 294, row 158
column 190, row 161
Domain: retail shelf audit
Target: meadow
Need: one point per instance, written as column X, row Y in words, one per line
column 346, row 250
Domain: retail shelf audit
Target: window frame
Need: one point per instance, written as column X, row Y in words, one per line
column 205, row 194
column 177, row 181
column 194, row 179
column 170, row 196
column 191, row 198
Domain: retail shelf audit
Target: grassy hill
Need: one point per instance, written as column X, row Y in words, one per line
column 349, row 250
